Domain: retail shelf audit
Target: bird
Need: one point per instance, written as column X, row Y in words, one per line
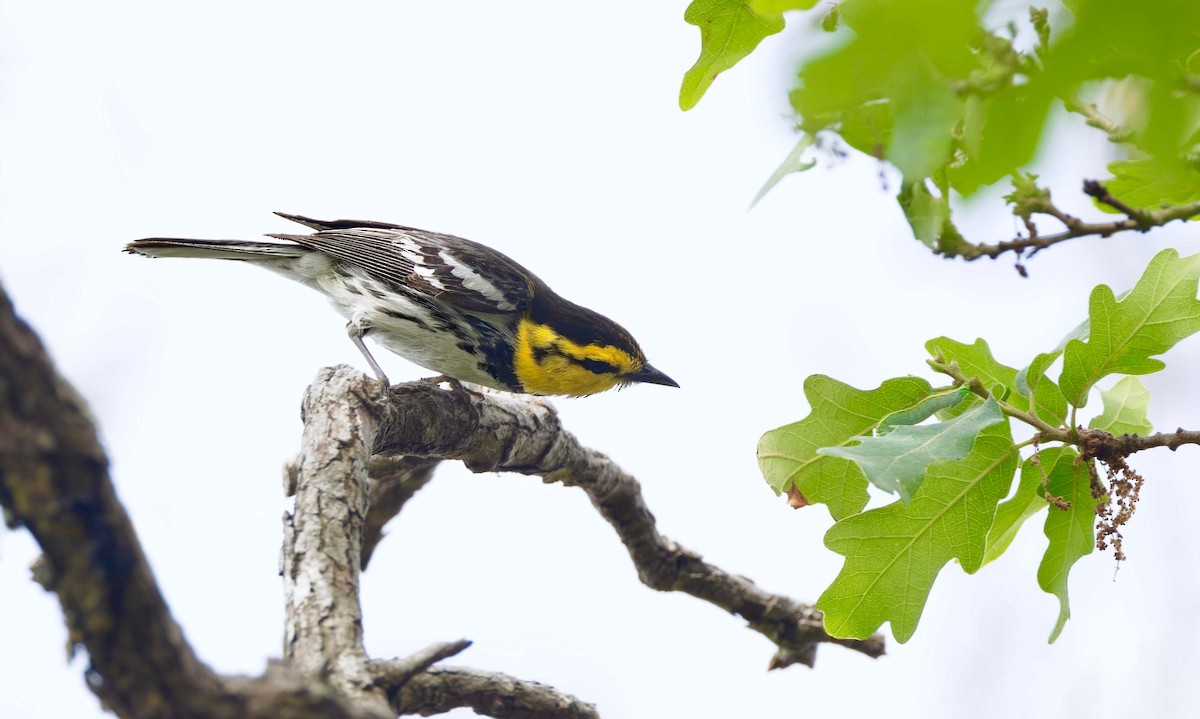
column 448, row 304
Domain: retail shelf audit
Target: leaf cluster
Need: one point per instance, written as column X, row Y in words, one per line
column 956, row 99
column 950, row 455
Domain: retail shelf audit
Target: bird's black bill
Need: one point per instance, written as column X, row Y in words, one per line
column 649, row 375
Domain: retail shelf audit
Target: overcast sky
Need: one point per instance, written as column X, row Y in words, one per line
column 551, row 132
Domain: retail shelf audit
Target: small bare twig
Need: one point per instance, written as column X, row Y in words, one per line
column 1093, row 188
column 395, row 673
column 441, row 689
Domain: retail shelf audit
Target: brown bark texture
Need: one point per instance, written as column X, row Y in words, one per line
column 365, row 451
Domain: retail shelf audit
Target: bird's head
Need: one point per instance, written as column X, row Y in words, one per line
column 574, row 351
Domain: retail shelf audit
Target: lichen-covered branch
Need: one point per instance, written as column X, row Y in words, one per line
column 504, row 432
column 322, row 545
column 1102, row 445
column 54, row 482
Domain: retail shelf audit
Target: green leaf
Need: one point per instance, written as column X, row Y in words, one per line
column 977, row 361
column 840, row 414
column 1040, row 19
column 1049, row 403
column 1125, row 407
column 1026, row 502
column 1009, row 127
column 902, row 53
column 829, row 23
column 926, row 214
column 1158, row 312
column 896, row 462
column 923, row 117
column 867, row 127
column 1030, row 378
column 1151, row 184
column 729, row 31
column 776, row 7
column 1070, row 531
column 790, row 164
column 894, row 553
column 1027, row 197
column 925, row 409
column 1118, row 38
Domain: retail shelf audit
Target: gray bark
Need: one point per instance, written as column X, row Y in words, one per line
column 348, row 482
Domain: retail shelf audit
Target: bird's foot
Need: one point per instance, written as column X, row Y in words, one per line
column 455, row 386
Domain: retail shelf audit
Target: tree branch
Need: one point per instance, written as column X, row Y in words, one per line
column 1139, row 220
column 505, row 432
column 1102, row 445
column 54, row 482
column 442, row 689
column 1046, row 432
column 1093, row 442
column 395, row 673
column 322, row 545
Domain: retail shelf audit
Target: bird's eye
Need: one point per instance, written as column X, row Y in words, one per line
column 599, row 366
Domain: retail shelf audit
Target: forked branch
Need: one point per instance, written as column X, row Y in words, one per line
column 1136, row 219
column 503, row 432
column 54, row 482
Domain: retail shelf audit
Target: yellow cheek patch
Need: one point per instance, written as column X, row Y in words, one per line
column 548, row 363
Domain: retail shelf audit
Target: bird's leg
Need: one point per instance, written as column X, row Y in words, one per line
column 356, row 336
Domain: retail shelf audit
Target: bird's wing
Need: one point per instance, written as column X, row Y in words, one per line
column 459, row 272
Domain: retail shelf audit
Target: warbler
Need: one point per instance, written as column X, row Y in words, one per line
column 448, row 304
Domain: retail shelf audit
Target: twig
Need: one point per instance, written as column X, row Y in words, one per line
column 1095, row 443
column 1094, row 118
column 1093, row 188
column 441, row 689
column 395, row 673
column 1046, row 431
column 1139, row 220
column 505, row 432
column 1104, row 446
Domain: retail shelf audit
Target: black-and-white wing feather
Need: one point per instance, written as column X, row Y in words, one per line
column 453, row 270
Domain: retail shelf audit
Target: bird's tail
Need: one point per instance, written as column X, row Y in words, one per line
column 215, row 249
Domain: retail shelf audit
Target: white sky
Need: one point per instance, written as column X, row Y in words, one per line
column 551, row 132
